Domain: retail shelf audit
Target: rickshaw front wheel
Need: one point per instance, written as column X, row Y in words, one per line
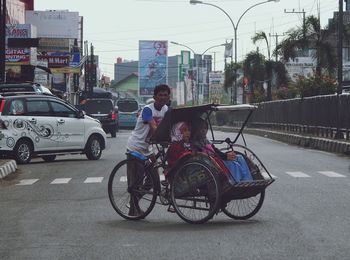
column 195, row 192
column 241, row 209
column 132, row 190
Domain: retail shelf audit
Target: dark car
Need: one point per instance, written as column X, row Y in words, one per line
column 103, row 110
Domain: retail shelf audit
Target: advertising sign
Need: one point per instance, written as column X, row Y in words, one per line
column 54, row 45
column 216, row 82
column 55, row 24
column 55, row 60
column 153, row 65
column 20, row 31
column 20, row 56
column 15, row 11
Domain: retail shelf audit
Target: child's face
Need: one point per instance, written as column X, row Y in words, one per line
column 186, row 134
column 203, row 131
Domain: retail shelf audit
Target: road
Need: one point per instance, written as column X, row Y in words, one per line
column 60, row 210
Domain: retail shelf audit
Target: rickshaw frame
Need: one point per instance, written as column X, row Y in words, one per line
column 217, row 193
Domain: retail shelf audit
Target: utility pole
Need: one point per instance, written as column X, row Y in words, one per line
column 338, row 134
column 2, row 40
column 298, row 12
column 276, row 35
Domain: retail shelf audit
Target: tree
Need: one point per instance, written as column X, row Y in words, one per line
column 310, row 37
column 262, row 36
column 254, row 70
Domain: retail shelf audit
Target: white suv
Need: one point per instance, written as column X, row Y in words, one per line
column 46, row 126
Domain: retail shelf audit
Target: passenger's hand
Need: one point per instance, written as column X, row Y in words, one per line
column 231, row 155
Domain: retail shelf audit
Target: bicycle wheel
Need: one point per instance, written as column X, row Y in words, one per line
column 195, row 192
column 242, row 209
column 132, row 191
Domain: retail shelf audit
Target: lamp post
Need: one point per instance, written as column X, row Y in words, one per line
column 235, row 27
column 197, row 64
column 2, row 40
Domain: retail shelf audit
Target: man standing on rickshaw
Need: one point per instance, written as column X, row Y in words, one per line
column 147, row 122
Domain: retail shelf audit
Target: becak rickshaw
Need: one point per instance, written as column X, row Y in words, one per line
column 196, row 187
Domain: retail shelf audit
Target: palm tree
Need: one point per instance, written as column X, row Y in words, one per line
column 254, row 71
column 259, row 36
column 271, row 67
column 310, row 37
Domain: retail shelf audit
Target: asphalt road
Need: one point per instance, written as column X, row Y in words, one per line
column 65, row 213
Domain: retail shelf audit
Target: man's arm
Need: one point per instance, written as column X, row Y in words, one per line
column 147, row 118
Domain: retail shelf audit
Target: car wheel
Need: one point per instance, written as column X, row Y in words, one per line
column 49, row 158
column 93, row 149
column 23, row 152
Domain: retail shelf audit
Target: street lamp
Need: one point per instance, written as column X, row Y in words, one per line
column 235, row 26
column 197, row 64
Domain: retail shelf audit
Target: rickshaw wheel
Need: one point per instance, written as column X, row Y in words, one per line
column 195, row 192
column 242, row 209
column 133, row 196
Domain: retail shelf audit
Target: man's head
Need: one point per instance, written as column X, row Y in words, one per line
column 161, row 95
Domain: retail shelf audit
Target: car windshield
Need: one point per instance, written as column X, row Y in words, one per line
column 98, row 106
column 127, row 106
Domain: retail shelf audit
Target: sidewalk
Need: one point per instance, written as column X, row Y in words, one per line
column 318, row 143
column 7, row 167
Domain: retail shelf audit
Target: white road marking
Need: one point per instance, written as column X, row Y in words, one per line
column 93, row 180
column 298, row 174
column 61, row 181
column 27, row 182
column 331, row 174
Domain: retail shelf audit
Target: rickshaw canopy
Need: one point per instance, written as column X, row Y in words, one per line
column 190, row 114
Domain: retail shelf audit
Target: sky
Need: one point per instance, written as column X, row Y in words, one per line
column 114, row 27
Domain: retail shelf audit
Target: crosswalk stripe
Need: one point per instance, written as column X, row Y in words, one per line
column 331, row 174
column 298, row 174
column 61, row 181
column 93, row 180
column 27, row 182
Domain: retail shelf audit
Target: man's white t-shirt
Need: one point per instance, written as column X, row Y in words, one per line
column 140, row 135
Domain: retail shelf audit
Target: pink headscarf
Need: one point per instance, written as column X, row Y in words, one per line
column 177, row 131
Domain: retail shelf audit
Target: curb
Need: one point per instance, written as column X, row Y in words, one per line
column 7, row 167
column 328, row 145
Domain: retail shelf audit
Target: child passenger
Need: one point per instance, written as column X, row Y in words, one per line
column 236, row 164
column 180, row 142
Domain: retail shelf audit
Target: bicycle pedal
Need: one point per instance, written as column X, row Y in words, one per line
column 171, row 209
column 164, row 183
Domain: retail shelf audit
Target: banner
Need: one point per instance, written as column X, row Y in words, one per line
column 228, row 49
column 153, row 65
column 216, row 82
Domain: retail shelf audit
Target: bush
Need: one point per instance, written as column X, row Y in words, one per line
column 316, row 85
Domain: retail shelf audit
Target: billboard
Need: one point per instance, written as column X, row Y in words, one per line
column 15, row 12
column 153, row 65
column 216, row 83
column 55, row 24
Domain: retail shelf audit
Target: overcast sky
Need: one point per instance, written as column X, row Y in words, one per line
column 114, row 27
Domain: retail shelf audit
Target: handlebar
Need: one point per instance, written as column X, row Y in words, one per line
column 227, row 140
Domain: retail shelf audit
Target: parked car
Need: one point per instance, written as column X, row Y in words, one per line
column 103, row 110
column 46, row 126
column 128, row 111
column 21, row 88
